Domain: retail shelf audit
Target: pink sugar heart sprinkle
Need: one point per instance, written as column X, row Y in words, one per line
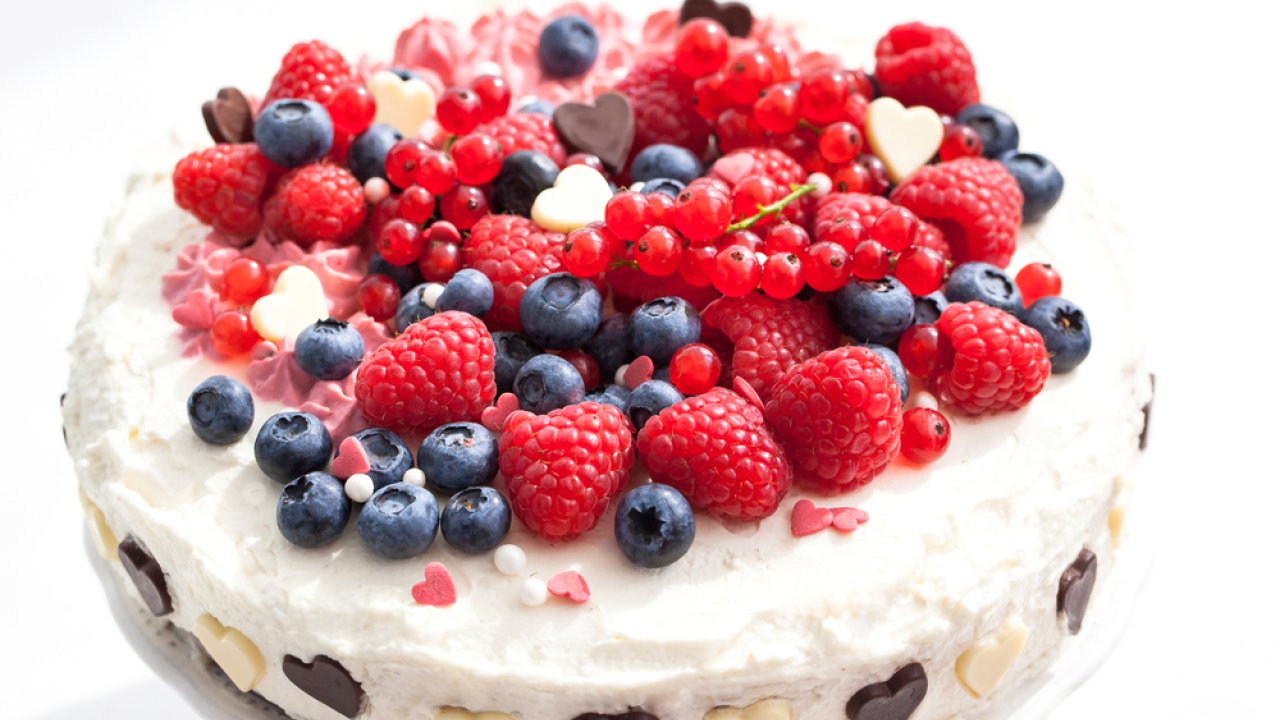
column 743, row 388
column 639, row 371
column 734, row 167
column 352, row 459
column 847, row 519
column 569, row 584
column 437, row 588
column 807, row 519
column 495, row 416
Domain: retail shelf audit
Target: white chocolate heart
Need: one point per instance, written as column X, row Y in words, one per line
column 104, row 541
column 403, row 104
column 981, row 668
column 903, row 138
column 238, row 657
column 577, row 198
column 767, row 709
column 453, row 713
column 296, row 302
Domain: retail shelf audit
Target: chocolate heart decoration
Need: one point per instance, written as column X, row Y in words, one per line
column 327, row 681
column 630, row 714
column 1146, row 415
column 894, row 699
column 229, row 117
column 604, row 128
column 1075, row 587
column 735, row 17
column 146, row 575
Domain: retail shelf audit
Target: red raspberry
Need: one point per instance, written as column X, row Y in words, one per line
column 512, row 252
column 991, row 361
column 563, row 468
column 223, row 186
column 839, row 417
column 717, row 451
column 662, row 98
column 525, row 131
column 438, row 370
column 923, row 65
column 309, row 71
column 769, row 335
column 975, row 202
column 316, row 202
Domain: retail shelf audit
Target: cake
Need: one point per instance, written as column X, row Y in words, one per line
column 877, row 558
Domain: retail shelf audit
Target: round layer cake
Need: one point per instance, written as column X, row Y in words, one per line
column 968, row 577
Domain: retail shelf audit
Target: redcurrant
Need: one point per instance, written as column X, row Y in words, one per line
column 351, row 108
column 868, row 261
column 478, row 158
column 702, row 47
column 702, row 213
column 1037, row 280
column 695, row 369
column 402, row 161
column 826, row 266
column 232, row 333
column 378, row 296
column 440, row 261
column 736, row 128
column 895, row 228
column 921, row 269
column 698, row 264
column 840, row 142
column 925, row 435
column 778, row 109
column 495, row 96
column 754, row 192
column 709, row 99
column 746, row 75
column 737, row 271
column 591, row 161
column 400, row 242
column 878, row 176
column 918, row 348
column 464, row 206
column 850, row 178
column 416, row 204
column 436, row 172
column 588, row 250
column 459, row 110
column 786, row 237
column 628, row 215
column 823, row 95
column 960, row 141
column 783, row 275
column 586, row 366
column 244, row 281
column 658, row 251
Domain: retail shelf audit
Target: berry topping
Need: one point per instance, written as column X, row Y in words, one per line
column 316, row 203
column 991, row 362
column 309, row 71
column 475, row 520
column 975, row 202
column 399, row 521
column 313, row 510
column 293, row 132
column 220, row 410
column 923, row 65
column 224, row 186
column 839, row 417
column 329, row 350
column 456, row 456
column 291, row 444
column 925, row 435
column 547, row 382
column 769, row 335
column 568, row 46
column 1065, row 330
column 563, row 468
column 654, row 525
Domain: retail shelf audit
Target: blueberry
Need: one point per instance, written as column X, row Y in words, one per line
column 895, row 368
column 548, row 382
column 873, row 311
column 610, row 347
column 539, row 107
column 524, row 174
column 648, row 399
column 667, row 186
column 1065, row 330
column 414, row 306
column 511, row 351
column 929, row 308
column 291, row 133
column 403, row 73
column 984, row 282
column 329, row 350
column 399, row 521
column 291, row 444
column 468, row 291
column 998, row 131
column 560, row 311
column 665, row 161
column 1039, row 179
column 220, row 410
column 663, row 373
column 660, row 327
column 458, row 455
column 313, row 510
column 406, row 277
column 367, row 156
column 568, row 46
column 654, row 525
column 612, row 394
column 389, row 457
column 475, row 520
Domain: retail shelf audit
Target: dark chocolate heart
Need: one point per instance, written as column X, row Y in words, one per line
column 735, row 17
column 327, row 681
column 1146, row 415
column 1075, row 587
column 146, row 574
column 229, row 117
column 604, row 128
column 632, row 714
column 894, row 699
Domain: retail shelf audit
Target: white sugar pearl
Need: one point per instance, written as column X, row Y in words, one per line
column 637, row 186
column 414, row 476
column 922, row 399
column 359, row 487
column 510, row 559
column 488, row 67
column 823, row 181
column 431, row 294
column 620, row 377
column 533, row 592
column 376, row 190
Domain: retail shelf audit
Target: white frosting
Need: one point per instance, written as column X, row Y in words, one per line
column 951, row 551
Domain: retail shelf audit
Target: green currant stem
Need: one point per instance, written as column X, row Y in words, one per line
column 810, row 127
column 619, row 264
column 797, row 191
column 448, row 144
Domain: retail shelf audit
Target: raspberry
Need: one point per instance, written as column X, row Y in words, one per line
column 838, row 416
column 662, row 98
column 975, row 202
column 923, row 65
column 769, row 335
column 223, row 186
column 512, row 252
column 438, row 370
column 526, row 131
column 316, row 202
column 563, row 468
column 309, row 71
column 992, row 361
column 717, row 451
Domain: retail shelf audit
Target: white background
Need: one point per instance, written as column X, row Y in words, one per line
column 1172, row 113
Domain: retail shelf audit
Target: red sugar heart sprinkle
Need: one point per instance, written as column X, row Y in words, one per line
column 639, row 371
column 437, row 589
column 847, row 519
column 748, row 393
column 493, row 417
column 351, row 459
column 569, row 584
column 807, row 519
